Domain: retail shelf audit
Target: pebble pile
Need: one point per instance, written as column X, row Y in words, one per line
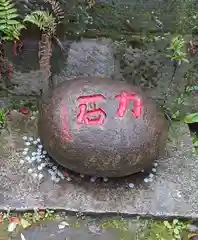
column 40, row 163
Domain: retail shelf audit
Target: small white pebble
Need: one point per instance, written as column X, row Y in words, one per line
column 27, row 158
column 27, row 143
column 35, row 142
column 43, row 164
column 25, row 153
column 51, row 172
column 44, row 152
column 40, row 146
column 38, row 140
column 40, row 176
column 155, row 164
column 131, row 185
column 60, row 174
column 39, row 167
column 21, row 161
column 30, row 139
column 54, row 167
column 53, row 178
column 69, row 179
column 179, row 194
column 33, row 158
column 34, row 175
column 150, row 179
column 142, row 170
column 26, row 149
column 151, row 175
column 42, row 156
column 24, row 138
column 146, row 180
column 154, row 169
column 105, row 179
column 62, row 177
column 38, row 160
column 30, row 170
column 57, row 180
column 93, row 179
column 32, row 117
column 82, row 175
column 38, row 154
column 33, row 153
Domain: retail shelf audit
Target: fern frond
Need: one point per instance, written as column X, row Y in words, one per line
column 43, row 20
column 57, row 10
column 13, row 32
column 9, row 25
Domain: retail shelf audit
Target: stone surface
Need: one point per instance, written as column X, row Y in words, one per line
column 86, row 57
column 89, row 57
column 151, row 69
column 173, row 193
column 121, row 145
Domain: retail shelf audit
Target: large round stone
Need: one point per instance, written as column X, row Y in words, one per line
column 101, row 127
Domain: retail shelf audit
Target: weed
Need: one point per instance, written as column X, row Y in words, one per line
column 177, row 50
column 2, row 117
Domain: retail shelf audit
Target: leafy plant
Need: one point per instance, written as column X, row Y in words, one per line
column 191, row 118
column 91, row 3
column 2, row 118
column 10, row 30
column 10, row 27
column 177, row 55
column 177, row 50
column 47, row 22
column 167, row 230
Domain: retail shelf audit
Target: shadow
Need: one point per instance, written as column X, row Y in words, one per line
column 28, row 59
column 193, row 128
column 136, row 179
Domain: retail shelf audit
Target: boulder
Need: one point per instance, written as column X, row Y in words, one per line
column 102, row 127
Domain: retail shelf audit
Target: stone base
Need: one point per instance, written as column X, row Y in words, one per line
column 173, row 193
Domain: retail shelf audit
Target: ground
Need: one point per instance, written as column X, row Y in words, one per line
column 80, row 227
column 110, row 22
column 61, row 225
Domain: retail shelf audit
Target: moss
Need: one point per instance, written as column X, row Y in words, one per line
column 148, row 229
column 121, row 225
column 164, row 230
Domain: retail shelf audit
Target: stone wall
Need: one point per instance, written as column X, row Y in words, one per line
column 127, row 21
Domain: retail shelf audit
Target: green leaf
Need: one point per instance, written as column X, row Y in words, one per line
column 191, row 118
column 167, row 224
column 195, row 143
column 24, row 223
column 12, row 22
column 175, row 221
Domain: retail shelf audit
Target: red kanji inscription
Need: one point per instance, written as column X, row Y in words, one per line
column 124, row 99
column 65, row 124
column 89, row 113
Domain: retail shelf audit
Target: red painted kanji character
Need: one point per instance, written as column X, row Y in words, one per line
column 64, row 121
column 89, row 114
column 124, row 99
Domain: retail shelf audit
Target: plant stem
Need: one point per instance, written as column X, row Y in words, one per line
column 58, row 42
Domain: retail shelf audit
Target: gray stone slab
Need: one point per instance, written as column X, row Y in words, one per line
column 174, row 192
column 89, row 57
